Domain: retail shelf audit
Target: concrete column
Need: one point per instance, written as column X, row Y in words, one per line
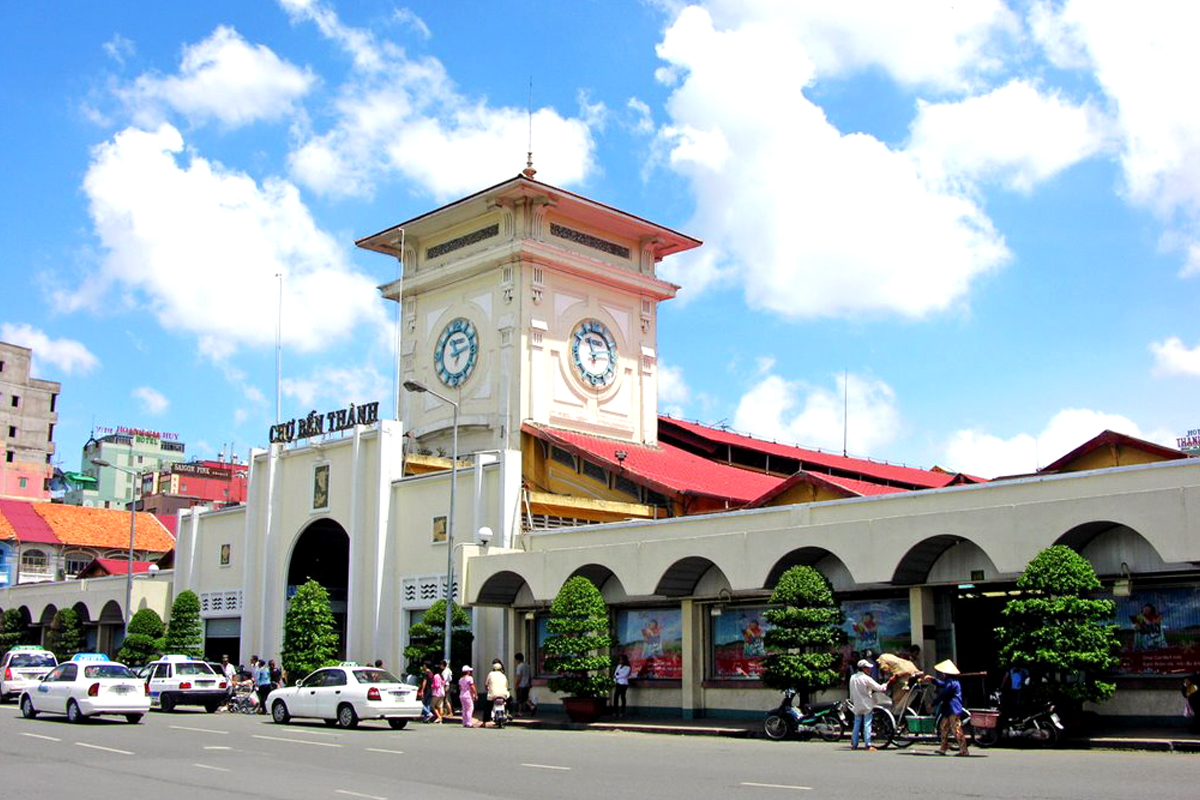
column 355, row 582
column 386, row 608
column 923, row 623
column 692, row 689
column 257, row 497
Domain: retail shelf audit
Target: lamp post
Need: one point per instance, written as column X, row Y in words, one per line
column 100, row 462
column 420, row 388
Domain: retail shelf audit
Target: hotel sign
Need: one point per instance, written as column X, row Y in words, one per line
column 330, row 422
column 202, row 471
column 1191, row 442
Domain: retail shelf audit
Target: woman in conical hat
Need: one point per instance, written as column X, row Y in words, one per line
column 947, row 667
column 949, row 706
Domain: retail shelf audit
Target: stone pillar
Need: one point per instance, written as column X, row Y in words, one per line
column 923, row 624
column 692, row 688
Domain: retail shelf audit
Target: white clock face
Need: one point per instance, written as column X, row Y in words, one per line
column 594, row 352
column 456, row 352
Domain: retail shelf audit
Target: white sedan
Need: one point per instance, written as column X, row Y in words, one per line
column 344, row 695
column 88, row 685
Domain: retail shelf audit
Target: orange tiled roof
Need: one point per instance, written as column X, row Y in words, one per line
column 104, row 527
column 7, row 532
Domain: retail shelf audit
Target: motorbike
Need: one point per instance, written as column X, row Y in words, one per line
column 1040, row 724
column 826, row 720
column 499, row 711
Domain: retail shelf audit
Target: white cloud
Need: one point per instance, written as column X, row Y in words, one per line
column 643, row 119
column 918, row 42
column 812, row 416
column 225, row 78
column 1015, row 133
column 673, row 391
column 409, row 18
column 1173, row 357
column 402, row 116
column 1146, row 63
column 809, row 221
column 152, row 400
column 199, row 246
column 987, row 455
column 68, row 355
column 119, row 48
column 338, row 386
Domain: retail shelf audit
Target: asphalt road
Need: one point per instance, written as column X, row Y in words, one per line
column 193, row 754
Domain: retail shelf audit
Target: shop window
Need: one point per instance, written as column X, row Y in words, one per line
column 881, row 626
column 737, row 642
column 34, row 561
column 652, row 638
column 75, row 562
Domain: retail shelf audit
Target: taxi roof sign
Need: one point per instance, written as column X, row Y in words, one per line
column 27, row 647
column 349, row 664
column 90, row 657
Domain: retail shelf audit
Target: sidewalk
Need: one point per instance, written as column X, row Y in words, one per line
column 1168, row 740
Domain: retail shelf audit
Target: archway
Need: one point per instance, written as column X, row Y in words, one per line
column 825, row 562
column 605, row 580
column 86, row 625
column 682, row 577
column 500, row 589
column 1113, row 548
column 322, row 553
column 111, row 628
column 914, row 567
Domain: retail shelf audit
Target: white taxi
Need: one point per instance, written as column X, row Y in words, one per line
column 86, row 686
column 345, row 694
column 23, row 667
column 184, row 681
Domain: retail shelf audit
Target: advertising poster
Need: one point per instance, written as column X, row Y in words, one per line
column 881, row 626
column 653, row 640
column 738, row 643
column 1159, row 631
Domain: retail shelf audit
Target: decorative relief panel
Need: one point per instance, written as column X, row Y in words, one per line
column 457, row 243
column 220, row 604
column 587, row 240
column 422, row 591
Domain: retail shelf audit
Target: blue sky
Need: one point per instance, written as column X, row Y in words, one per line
column 987, row 218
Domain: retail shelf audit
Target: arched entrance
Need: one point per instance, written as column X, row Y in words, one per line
column 322, row 554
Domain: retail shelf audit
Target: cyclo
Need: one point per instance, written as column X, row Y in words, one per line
column 906, row 725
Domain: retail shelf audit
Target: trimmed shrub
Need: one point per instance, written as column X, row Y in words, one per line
column 577, row 649
column 13, row 631
column 806, row 627
column 309, row 641
column 427, row 642
column 65, row 638
column 145, row 640
column 184, row 633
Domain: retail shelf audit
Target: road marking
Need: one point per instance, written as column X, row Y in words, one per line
column 217, row 747
column 381, row 750
column 359, row 794
column 214, row 769
column 777, row 786
column 39, row 736
column 316, row 733
column 546, row 766
column 199, row 730
column 295, row 741
column 105, row 749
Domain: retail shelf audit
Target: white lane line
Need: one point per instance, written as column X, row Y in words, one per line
column 358, row 794
column 217, row 747
column 39, row 736
column 295, row 741
column 105, row 749
column 777, row 786
column 546, row 766
column 381, row 750
column 214, row 769
column 311, row 732
column 199, row 730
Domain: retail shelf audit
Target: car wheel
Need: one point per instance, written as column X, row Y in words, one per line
column 73, row 712
column 27, row 708
column 166, row 702
column 279, row 713
column 133, row 719
column 347, row 718
column 211, row 708
column 397, row 724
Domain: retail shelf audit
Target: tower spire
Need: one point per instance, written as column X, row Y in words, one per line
column 529, row 171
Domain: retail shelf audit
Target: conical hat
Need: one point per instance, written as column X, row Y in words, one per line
column 947, row 668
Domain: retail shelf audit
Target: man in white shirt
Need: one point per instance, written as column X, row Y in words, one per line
column 862, row 699
column 230, row 673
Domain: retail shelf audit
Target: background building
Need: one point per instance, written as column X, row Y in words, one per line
column 27, row 417
column 213, row 483
column 132, row 448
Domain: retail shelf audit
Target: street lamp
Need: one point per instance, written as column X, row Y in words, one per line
column 420, row 388
column 100, row 462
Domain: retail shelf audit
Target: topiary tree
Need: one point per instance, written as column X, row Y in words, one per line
column 1064, row 638
column 805, row 630
column 577, row 650
column 144, row 643
column 184, row 633
column 427, row 642
column 65, row 638
column 309, row 640
column 13, row 631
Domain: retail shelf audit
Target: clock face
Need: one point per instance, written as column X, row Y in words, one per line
column 594, row 352
column 456, row 352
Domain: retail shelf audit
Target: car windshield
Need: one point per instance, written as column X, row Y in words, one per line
column 32, row 660
column 374, row 676
column 107, row 671
column 193, row 669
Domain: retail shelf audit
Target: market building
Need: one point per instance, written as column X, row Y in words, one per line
column 528, row 340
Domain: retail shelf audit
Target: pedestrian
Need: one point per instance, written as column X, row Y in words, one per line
column 1191, row 701
column 496, row 684
column 276, row 673
column 230, row 673
column 438, row 695
column 426, row 692
column 899, row 672
column 379, row 663
column 466, row 696
column 949, row 706
column 262, row 684
column 851, row 666
column 862, row 700
column 621, row 687
column 448, row 683
column 524, row 680
column 914, row 655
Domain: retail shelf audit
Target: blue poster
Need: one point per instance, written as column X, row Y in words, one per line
column 880, row 626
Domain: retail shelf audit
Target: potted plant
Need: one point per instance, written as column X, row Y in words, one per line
column 577, row 650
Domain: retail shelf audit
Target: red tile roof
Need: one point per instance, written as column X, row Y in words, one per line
column 869, row 469
column 664, row 467
column 1106, row 438
column 112, row 566
column 849, row 487
column 104, row 528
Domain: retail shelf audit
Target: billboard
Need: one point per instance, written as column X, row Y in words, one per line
column 653, row 640
column 1159, row 631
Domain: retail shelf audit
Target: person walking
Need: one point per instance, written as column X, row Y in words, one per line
column 262, row 685
column 496, row 684
column 448, row 683
column 229, row 671
column 426, row 693
column 276, row 673
column 621, row 687
column 523, row 676
column 438, row 695
column 862, row 700
column 466, row 696
column 949, row 706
